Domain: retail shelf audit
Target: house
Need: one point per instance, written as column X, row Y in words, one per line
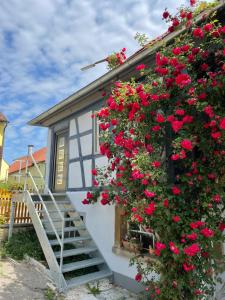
column 3, row 164
column 16, row 172
column 72, row 152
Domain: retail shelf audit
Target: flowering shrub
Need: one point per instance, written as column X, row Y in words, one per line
column 116, row 59
column 165, row 141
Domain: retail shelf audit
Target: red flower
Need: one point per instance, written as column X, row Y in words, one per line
column 221, row 226
column 198, row 33
column 176, row 125
column 208, row 27
column 165, row 14
column 183, row 80
column 140, row 67
column 166, row 203
column 150, row 209
column 222, row 124
column 186, row 144
column 192, row 2
column 159, row 247
column 217, row 198
column 173, row 248
column 188, row 267
column 176, row 190
column 160, row 118
column 192, row 250
column 180, row 112
column 94, row 172
column 193, row 236
column 176, row 51
column 138, row 277
column 208, row 233
column 85, row 202
column 176, row 219
column 149, row 194
column 156, row 164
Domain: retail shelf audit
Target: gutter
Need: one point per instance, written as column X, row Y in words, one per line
column 94, row 86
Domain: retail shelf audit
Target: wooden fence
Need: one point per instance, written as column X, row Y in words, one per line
column 21, row 214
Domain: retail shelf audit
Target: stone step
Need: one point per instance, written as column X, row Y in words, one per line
column 82, row 264
column 59, row 220
column 76, row 281
column 68, row 209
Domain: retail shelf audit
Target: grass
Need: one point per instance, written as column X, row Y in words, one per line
column 22, row 243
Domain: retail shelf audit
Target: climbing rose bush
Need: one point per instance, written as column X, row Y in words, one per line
column 164, row 137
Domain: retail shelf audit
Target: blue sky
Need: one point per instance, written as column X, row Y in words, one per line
column 43, row 45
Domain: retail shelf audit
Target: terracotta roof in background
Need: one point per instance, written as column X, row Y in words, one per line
column 2, row 118
column 39, row 156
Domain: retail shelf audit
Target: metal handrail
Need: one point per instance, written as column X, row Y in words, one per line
column 61, row 241
column 45, row 208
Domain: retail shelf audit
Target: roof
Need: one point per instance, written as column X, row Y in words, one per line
column 145, row 52
column 2, row 118
column 39, row 156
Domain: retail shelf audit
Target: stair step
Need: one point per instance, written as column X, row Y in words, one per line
column 70, row 240
column 82, row 264
column 61, row 209
column 77, row 251
column 59, row 220
column 88, row 278
column 67, row 229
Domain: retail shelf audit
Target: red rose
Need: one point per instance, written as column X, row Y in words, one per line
column 165, row 14
column 149, row 194
column 186, row 144
column 207, row 232
column 176, row 190
column 192, row 250
column 176, row 219
column 198, row 33
column 176, row 125
column 208, row 27
column 188, row 267
column 156, row 164
column 176, row 51
column 138, row 277
column 183, row 80
column 94, row 172
column 173, row 248
column 140, row 67
column 85, row 202
column 222, row 124
column 150, row 209
column 160, row 118
column 193, row 236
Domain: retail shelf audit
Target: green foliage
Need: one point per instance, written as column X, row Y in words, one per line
column 141, row 38
column 21, row 243
column 94, row 289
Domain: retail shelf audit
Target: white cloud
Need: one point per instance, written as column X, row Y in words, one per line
column 44, row 43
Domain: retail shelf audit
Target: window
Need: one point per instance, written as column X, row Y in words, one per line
column 132, row 237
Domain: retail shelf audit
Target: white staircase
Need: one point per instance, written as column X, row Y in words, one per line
column 72, row 256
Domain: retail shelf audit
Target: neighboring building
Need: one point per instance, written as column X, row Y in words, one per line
column 3, row 164
column 17, row 169
column 72, row 152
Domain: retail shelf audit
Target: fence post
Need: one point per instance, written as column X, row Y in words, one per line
column 11, row 223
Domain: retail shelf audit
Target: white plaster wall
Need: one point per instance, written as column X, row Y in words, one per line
column 85, row 121
column 75, row 178
column 86, row 144
column 73, row 149
column 73, row 128
column 100, row 222
column 87, row 172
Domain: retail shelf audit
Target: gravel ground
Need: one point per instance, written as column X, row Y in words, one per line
column 23, row 281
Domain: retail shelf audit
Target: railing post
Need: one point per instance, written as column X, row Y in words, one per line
column 29, row 153
column 12, row 214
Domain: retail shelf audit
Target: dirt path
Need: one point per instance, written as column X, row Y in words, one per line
column 20, row 281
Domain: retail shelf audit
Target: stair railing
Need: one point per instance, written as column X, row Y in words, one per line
column 46, row 188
